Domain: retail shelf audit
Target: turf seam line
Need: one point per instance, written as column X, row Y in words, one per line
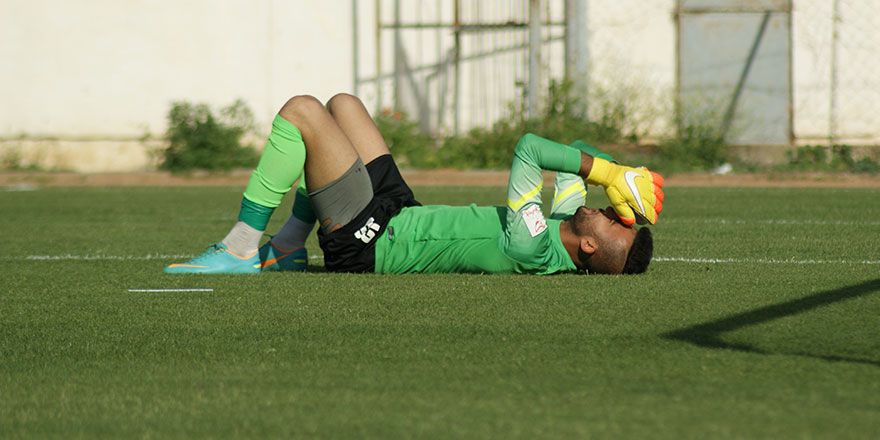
column 103, row 257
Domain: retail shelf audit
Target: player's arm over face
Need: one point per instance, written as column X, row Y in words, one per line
column 533, row 154
column 527, row 237
column 635, row 193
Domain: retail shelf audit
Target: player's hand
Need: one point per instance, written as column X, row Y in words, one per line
column 635, row 193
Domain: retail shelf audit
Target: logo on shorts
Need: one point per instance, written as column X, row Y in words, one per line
column 367, row 231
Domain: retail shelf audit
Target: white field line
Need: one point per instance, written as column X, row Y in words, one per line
column 722, row 221
column 168, row 290
column 101, row 257
column 795, row 261
column 761, row 260
column 104, row 257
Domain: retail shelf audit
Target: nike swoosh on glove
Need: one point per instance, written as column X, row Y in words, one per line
column 635, row 193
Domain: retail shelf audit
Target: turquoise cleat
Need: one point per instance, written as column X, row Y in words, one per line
column 218, row 259
column 275, row 259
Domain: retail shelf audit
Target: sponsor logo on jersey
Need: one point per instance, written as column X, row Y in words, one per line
column 534, row 220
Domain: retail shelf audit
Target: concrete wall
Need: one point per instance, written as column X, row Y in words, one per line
column 77, row 73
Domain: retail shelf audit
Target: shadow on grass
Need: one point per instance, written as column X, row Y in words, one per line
column 709, row 334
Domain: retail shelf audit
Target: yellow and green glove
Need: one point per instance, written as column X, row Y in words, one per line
column 635, row 193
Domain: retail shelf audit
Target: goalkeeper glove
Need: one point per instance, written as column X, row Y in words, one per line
column 635, row 193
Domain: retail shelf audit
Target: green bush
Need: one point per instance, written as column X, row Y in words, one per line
column 563, row 119
column 821, row 158
column 199, row 140
column 482, row 148
column 808, row 157
column 12, row 160
column 695, row 147
column 410, row 145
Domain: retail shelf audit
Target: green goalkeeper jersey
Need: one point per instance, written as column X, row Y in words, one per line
column 512, row 239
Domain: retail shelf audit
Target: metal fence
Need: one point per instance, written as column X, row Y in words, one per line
column 837, row 70
column 455, row 64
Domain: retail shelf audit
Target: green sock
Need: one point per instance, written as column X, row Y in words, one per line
column 280, row 165
column 296, row 230
column 302, row 205
column 255, row 215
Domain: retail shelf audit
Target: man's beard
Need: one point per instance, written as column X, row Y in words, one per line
column 580, row 222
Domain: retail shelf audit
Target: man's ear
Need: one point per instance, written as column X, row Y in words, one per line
column 589, row 245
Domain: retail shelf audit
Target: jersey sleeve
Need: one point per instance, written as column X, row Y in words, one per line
column 525, row 237
column 591, row 150
column 570, row 192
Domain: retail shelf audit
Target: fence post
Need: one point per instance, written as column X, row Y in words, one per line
column 534, row 56
column 456, row 100
column 354, row 48
column 832, row 102
column 378, row 6
column 577, row 51
column 398, row 48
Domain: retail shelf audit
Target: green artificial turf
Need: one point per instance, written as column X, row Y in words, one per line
column 760, row 318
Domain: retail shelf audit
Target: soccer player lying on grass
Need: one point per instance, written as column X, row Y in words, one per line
column 371, row 222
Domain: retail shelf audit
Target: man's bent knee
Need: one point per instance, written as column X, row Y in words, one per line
column 343, row 100
column 300, row 108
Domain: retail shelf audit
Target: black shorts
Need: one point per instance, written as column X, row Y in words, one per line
column 351, row 248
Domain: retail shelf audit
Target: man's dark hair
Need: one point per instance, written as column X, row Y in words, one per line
column 640, row 252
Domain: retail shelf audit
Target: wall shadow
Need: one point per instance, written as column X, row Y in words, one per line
column 709, row 334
